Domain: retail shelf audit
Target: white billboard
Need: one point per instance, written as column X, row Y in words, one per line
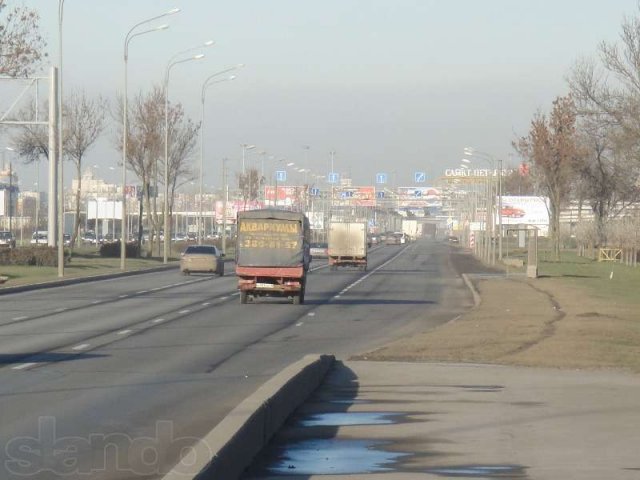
column 99, row 208
column 524, row 211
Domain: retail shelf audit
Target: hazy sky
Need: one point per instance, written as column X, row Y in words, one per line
column 390, row 85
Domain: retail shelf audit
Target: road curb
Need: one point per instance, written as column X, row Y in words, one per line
column 91, row 278
column 476, row 296
column 228, row 449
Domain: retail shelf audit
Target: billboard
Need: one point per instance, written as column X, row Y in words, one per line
column 288, row 196
column 524, row 211
column 101, row 208
column 233, row 207
column 354, row 196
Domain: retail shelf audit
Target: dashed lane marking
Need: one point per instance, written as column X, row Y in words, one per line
column 81, row 347
column 24, row 366
column 124, row 332
column 24, row 317
column 182, row 312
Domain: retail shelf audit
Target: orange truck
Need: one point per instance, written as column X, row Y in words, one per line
column 272, row 254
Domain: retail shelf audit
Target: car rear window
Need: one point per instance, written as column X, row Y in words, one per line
column 201, row 249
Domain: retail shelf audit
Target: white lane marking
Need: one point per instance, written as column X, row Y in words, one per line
column 182, row 312
column 299, row 324
column 206, row 304
column 123, row 296
column 95, row 302
column 158, row 320
column 24, row 365
column 24, row 317
column 234, row 294
column 223, row 298
column 311, row 314
column 361, row 279
column 58, row 310
column 124, row 332
column 142, row 291
column 156, row 289
column 81, row 347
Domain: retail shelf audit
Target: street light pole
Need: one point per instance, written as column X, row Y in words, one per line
column 167, row 236
column 60, row 199
column 206, row 84
column 492, row 161
column 125, row 114
column 245, row 147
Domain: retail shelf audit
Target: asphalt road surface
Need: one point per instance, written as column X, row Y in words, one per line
column 111, row 379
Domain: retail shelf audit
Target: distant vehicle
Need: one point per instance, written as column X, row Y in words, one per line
column 453, row 239
column 40, row 237
column 7, row 239
column 66, row 239
column 396, row 238
column 320, row 250
column 374, row 239
column 191, row 237
column 348, row 245
column 180, row 237
column 202, row 258
column 89, row 237
column 512, row 212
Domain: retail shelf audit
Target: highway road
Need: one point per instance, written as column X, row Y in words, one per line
column 111, row 379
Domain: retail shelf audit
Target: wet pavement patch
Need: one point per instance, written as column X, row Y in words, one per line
column 479, row 471
column 333, row 457
column 340, row 419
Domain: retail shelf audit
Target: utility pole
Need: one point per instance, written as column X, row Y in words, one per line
column 225, row 198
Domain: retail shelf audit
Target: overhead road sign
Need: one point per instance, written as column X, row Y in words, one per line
column 381, row 178
column 420, row 177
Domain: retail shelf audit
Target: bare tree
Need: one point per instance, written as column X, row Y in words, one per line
column 183, row 136
column 85, row 122
column 21, row 45
column 31, row 141
column 249, row 184
column 145, row 150
column 551, row 147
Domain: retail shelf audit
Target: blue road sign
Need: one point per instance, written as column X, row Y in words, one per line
column 333, row 177
column 315, row 192
column 420, row 177
column 380, row 194
column 381, row 178
column 347, row 194
column 281, row 175
column 417, row 193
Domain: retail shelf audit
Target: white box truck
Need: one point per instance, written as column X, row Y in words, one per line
column 347, row 245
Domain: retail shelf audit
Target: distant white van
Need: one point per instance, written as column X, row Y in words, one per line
column 40, row 237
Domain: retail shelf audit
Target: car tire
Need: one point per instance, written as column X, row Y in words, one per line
column 185, row 272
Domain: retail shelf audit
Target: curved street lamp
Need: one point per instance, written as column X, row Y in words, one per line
column 125, row 113
column 171, row 64
column 211, row 80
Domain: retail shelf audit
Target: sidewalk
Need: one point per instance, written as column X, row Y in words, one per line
column 461, row 421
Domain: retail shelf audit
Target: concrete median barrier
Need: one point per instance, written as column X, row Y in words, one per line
column 227, row 450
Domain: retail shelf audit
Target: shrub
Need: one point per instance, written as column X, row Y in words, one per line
column 38, row 256
column 112, row 250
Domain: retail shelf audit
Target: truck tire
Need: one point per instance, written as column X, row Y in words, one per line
column 221, row 272
column 243, row 298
